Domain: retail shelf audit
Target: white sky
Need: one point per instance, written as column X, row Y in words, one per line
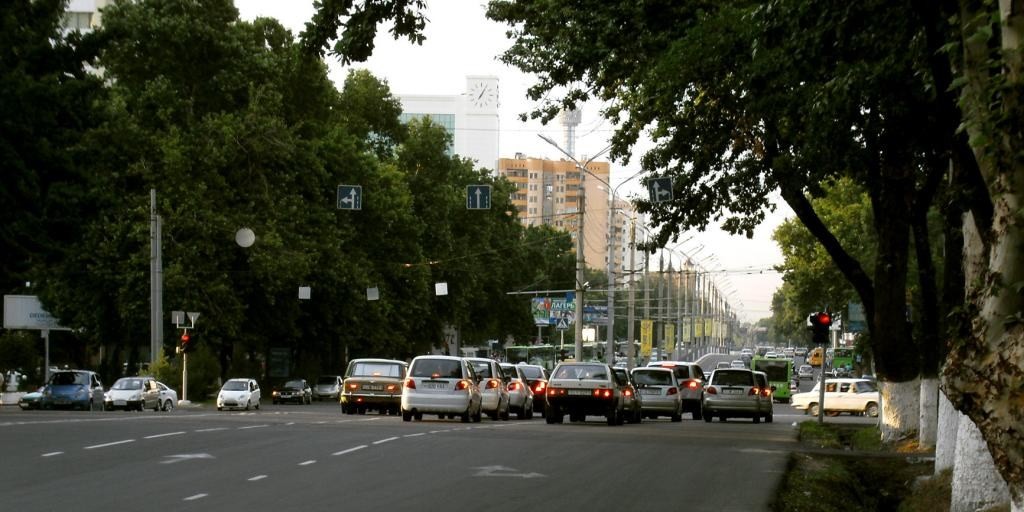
column 461, row 41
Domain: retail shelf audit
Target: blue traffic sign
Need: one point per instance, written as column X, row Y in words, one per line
column 350, row 197
column 659, row 189
column 478, row 197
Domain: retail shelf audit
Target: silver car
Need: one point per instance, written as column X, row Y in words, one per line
column 660, row 392
column 327, row 387
column 442, row 385
column 765, row 392
column 132, row 394
column 493, row 390
column 732, row 393
column 520, row 396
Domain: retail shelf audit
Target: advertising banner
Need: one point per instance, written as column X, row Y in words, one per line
column 646, row 337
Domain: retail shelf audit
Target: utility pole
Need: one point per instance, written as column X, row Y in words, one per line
column 156, row 292
column 630, row 352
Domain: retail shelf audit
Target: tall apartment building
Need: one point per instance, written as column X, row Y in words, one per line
column 548, row 193
column 83, row 15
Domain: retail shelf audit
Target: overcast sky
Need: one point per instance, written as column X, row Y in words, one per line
column 461, row 41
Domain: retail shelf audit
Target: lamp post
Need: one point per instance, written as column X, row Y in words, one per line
column 580, row 261
column 612, row 192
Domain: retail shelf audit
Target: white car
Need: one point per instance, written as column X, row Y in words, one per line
column 855, row 396
column 239, row 394
column 493, row 390
column 132, row 394
column 520, row 396
column 442, row 385
column 168, row 396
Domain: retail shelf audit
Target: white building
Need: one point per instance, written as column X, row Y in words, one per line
column 471, row 117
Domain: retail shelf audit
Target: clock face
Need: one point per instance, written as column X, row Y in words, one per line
column 483, row 95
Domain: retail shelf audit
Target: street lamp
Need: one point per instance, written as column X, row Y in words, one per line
column 612, row 192
column 580, row 262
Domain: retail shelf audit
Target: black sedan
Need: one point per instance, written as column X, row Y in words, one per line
column 294, row 391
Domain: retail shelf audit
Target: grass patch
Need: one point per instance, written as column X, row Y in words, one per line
column 847, row 467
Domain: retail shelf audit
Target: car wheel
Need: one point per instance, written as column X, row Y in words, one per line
column 757, row 418
column 478, row 417
column 505, row 415
column 871, row 410
column 769, row 418
column 247, row 405
column 529, row 413
column 812, row 409
column 406, row 415
column 466, row 417
column 418, row 416
column 612, row 417
column 677, row 417
column 220, row 408
column 168, row 406
column 707, row 417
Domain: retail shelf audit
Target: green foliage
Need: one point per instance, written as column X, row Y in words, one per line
column 19, row 350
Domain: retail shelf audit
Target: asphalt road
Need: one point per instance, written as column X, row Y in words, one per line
column 313, row 457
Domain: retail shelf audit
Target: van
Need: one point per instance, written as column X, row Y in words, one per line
column 815, row 357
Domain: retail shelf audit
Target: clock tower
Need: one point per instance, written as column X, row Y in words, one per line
column 480, row 107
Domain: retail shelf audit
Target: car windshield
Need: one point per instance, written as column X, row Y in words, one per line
column 127, row 384
column 69, row 379
column 294, row 384
column 375, row 369
column 652, row 378
column 593, row 372
column 531, row 372
column 236, row 385
column 732, row 378
column 437, row 368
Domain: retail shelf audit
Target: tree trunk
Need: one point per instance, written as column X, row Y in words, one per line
column 929, row 413
column 976, row 484
column 900, row 409
column 945, row 442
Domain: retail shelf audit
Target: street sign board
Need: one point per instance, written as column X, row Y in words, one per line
column 26, row 312
column 478, row 197
column 659, row 189
column 350, row 197
column 563, row 324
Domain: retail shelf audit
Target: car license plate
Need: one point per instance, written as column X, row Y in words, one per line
column 435, row 385
column 733, row 391
column 377, row 387
column 650, row 392
column 120, row 403
column 579, row 392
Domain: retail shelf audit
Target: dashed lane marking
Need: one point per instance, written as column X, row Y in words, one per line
column 196, row 497
column 308, row 462
column 350, row 450
column 51, row 454
column 104, row 445
column 382, row 441
column 252, row 426
column 257, row 477
column 154, row 436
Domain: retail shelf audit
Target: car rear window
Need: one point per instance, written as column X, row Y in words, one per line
column 327, row 380
column 376, row 370
column 437, row 368
column 652, row 378
column 483, row 370
column 531, row 372
column 594, row 372
column 128, row 384
column 733, row 378
column 69, row 378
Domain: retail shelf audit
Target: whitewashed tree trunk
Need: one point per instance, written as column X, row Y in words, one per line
column 929, row 413
column 976, row 483
column 900, row 409
column 945, row 442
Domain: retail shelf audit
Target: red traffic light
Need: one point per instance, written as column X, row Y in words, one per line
column 822, row 319
column 184, row 338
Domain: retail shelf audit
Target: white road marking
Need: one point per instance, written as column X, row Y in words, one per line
column 211, row 429
column 382, row 441
column 196, row 497
column 415, row 435
column 51, row 454
column 439, row 431
column 104, row 445
column 164, row 435
column 252, row 426
column 257, row 477
column 350, row 450
column 308, row 462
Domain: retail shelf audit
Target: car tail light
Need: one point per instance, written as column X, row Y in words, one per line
column 493, row 383
column 392, row 388
column 603, row 393
column 462, row 385
column 627, row 392
column 712, row 391
column 753, row 391
column 514, row 386
column 540, row 387
column 673, row 390
column 410, row 384
column 555, row 391
column 766, row 392
column 692, row 384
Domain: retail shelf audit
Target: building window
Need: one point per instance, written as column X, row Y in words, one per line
column 78, row 20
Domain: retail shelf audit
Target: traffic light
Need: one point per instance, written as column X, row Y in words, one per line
column 819, row 325
column 188, row 342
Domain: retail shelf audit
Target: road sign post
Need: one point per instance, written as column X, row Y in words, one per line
column 659, row 189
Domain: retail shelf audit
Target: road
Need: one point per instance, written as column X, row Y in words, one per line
column 315, row 458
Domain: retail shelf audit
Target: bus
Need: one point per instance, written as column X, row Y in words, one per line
column 840, row 359
column 815, row 356
column 541, row 355
column 780, row 373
